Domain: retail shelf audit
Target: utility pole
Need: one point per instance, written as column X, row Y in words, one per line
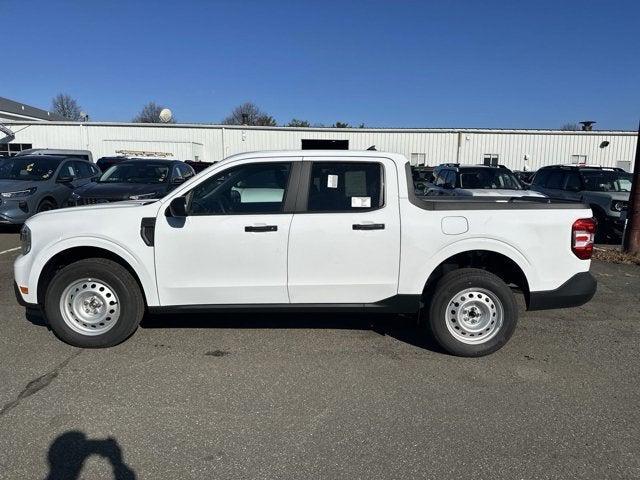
column 632, row 234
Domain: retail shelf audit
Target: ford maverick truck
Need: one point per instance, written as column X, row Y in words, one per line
column 307, row 231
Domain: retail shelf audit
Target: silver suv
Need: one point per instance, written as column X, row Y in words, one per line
column 605, row 190
column 34, row 183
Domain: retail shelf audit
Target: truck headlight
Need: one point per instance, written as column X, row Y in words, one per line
column 19, row 193
column 618, row 205
column 25, row 239
column 143, row 196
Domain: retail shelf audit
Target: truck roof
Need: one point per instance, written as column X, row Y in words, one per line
column 396, row 157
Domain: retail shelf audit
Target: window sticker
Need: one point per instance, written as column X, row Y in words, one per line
column 332, row 181
column 361, row 202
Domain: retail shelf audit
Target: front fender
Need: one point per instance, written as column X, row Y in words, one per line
column 146, row 277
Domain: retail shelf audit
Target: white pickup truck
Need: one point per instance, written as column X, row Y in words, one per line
column 307, row 230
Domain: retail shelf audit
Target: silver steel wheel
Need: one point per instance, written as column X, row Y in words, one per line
column 474, row 316
column 89, row 306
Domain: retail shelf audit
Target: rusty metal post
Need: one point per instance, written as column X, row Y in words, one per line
column 632, row 234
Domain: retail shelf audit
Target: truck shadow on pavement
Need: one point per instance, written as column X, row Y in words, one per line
column 401, row 327
column 68, row 452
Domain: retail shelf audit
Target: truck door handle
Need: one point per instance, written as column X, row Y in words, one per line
column 261, row 228
column 368, row 226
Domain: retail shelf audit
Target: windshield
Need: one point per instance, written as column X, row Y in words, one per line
column 606, row 181
column 138, row 172
column 489, row 178
column 28, row 168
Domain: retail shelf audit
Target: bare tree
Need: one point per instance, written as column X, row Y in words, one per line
column 341, row 125
column 266, row 121
column 570, row 126
column 249, row 114
column 298, row 123
column 66, row 106
column 150, row 113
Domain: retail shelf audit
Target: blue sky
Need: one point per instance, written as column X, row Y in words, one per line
column 510, row 64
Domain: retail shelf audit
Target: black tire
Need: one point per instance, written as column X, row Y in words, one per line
column 125, row 287
column 46, row 205
column 457, row 281
column 601, row 228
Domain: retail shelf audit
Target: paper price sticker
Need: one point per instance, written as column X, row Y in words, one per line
column 361, row 202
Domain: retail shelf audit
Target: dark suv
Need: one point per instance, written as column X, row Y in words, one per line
column 137, row 179
column 605, row 190
column 476, row 181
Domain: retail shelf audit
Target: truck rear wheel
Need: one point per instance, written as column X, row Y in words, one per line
column 94, row 303
column 472, row 312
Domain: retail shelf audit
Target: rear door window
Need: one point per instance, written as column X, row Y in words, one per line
column 556, row 180
column 573, row 182
column 345, row 186
column 83, row 169
column 540, row 178
column 184, row 171
column 68, row 170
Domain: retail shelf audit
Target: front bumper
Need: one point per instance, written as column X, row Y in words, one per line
column 22, row 268
column 21, row 301
column 576, row 291
column 14, row 214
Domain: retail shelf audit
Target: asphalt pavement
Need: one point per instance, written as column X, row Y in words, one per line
column 324, row 396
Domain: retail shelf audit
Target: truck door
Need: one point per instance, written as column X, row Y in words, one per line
column 344, row 243
column 231, row 248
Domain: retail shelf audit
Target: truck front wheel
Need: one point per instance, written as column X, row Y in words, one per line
column 94, row 303
column 472, row 312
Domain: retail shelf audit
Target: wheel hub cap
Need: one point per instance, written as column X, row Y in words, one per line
column 474, row 316
column 89, row 306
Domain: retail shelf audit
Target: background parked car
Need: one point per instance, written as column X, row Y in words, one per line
column 82, row 154
column 135, row 179
column 105, row 163
column 605, row 190
column 198, row 166
column 524, row 177
column 422, row 178
column 477, row 181
column 35, row 183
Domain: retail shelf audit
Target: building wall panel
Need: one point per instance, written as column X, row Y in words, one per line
column 214, row 142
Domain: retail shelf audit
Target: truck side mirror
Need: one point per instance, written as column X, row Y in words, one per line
column 178, row 207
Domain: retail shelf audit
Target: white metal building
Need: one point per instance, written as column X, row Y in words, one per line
column 517, row 149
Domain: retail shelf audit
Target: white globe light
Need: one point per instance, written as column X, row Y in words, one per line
column 165, row 115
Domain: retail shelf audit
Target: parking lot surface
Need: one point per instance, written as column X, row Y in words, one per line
column 324, row 396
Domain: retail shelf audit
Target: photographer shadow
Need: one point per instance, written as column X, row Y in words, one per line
column 68, row 452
